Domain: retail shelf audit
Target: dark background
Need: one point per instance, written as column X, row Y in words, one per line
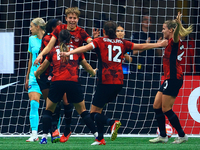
column 134, row 103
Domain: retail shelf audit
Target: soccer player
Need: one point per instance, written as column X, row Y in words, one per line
column 37, row 27
column 65, row 80
column 165, row 97
column 44, row 83
column 79, row 35
column 110, row 51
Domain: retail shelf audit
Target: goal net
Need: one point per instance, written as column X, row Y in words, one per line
column 134, row 104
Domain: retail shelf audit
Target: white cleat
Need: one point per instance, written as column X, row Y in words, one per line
column 180, row 140
column 159, row 139
column 97, row 142
column 33, row 138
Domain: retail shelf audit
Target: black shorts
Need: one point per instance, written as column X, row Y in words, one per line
column 171, row 87
column 44, row 82
column 72, row 89
column 106, row 93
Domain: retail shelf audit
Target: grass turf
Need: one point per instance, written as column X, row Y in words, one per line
column 77, row 143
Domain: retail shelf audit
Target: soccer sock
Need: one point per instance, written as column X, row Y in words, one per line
column 34, row 115
column 103, row 119
column 173, row 119
column 55, row 117
column 47, row 118
column 161, row 121
column 88, row 121
column 68, row 117
column 100, row 125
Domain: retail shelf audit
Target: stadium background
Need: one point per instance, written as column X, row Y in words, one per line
column 134, row 105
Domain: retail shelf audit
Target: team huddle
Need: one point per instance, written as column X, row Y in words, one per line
column 56, row 78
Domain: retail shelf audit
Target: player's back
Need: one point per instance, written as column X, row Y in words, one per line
column 64, row 70
column 110, row 54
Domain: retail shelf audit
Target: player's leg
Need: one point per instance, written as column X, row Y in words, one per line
column 68, row 108
column 34, row 96
column 168, row 100
column 47, row 119
column 80, row 108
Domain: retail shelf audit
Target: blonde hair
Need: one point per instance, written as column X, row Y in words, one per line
column 171, row 24
column 72, row 10
column 39, row 22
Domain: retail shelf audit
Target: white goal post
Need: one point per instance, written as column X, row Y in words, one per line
column 134, row 105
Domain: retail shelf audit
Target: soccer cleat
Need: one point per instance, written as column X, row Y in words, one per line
column 180, row 140
column 55, row 133
column 159, row 139
column 64, row 138
column 97, row 142
column 114, row 129
column 55, row 139
column 43, row 141
column 33, row 138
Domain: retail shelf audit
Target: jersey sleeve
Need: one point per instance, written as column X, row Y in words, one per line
column 29, row 45
column 81, row 57
column 94, row 43
column 128, row 45
column 85, row 36
column 56, row 31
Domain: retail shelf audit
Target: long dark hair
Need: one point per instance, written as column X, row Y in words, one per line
column 64, row 38
column 52, row 23
column 110, row 29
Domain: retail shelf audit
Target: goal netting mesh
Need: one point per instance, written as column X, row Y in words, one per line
column 134, row 105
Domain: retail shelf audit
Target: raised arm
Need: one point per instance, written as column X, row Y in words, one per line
column 41, row 68
column 45, row 51
column 88, row 68
column 177, row 29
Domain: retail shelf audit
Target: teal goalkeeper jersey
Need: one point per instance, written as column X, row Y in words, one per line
column 33, row 48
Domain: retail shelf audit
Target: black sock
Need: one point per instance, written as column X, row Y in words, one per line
column 47, row 118
column 173, row 119
column 103, row 119
column 88, row 121
column 161, row 121
column 68, row 117
column 55, row 117
column 100, row 125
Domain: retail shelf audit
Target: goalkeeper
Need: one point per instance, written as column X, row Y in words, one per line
column 37, row 27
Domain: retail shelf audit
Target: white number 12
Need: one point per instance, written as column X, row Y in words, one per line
column 116, row 58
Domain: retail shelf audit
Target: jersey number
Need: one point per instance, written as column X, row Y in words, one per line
column 58, row 57
column 180, row 56
column 116, row 58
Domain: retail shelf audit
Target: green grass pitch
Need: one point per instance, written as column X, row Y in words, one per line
column 83, row 143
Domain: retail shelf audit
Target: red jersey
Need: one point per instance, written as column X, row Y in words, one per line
column 172, row 59
column 45, row 41
column 78, row 36
column 110, row 53
column 64, row 71
column 188, row 61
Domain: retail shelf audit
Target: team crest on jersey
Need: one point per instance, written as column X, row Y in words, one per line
column 29, row 87
column 49, row 78
column 76, row 39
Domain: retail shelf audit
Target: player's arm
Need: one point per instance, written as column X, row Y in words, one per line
column 41, row 68
column 177, row 29
column 78, row 50
column 45, row 51
column 147, row 46
column 128, row 58
column 88, row 68
column 28, row 71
